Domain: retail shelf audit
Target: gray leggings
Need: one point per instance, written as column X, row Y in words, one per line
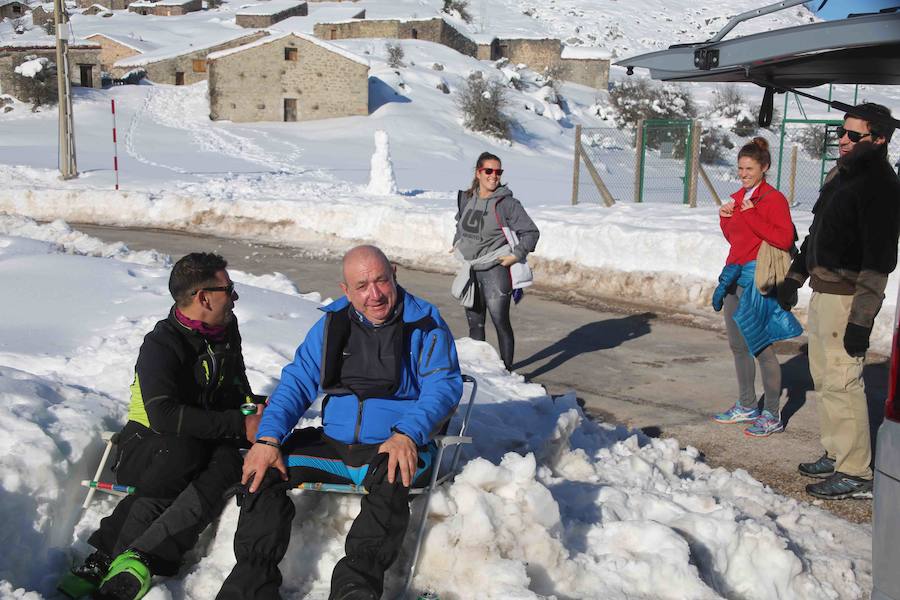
column 745, row 366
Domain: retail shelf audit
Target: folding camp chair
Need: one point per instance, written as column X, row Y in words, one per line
column 443, row 442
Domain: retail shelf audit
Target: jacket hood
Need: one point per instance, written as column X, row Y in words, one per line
column 414, row 308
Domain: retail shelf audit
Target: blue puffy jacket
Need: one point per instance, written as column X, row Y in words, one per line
column 429, row 389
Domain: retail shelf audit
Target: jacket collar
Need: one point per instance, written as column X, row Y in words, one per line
column 763, row 188
column 863, row 157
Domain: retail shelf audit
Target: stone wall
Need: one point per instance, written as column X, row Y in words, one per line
column 430, row 30
column 592, row 72
column 263, row 21
column 172, row 10
column 537, row 54
column 111, row 50
column 252, row 85
column 166, row 70
column 10, row 58
column 110, row 4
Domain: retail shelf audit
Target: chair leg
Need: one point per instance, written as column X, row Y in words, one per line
column 420, row 534
column 106, row 451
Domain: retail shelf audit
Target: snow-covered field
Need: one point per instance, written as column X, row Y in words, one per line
column 548, row 505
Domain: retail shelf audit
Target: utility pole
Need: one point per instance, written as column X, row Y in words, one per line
column 67, row 167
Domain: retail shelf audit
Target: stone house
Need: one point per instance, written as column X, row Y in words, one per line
column 119, row 47
column 12, row 9
column 41, row 13
column 179, row 66
column 539, row 54
column 109, row 4
column 165, row 8
column 587, row 66
column 268, row 13
column 289, row 77
column 84, row 62
column 97, row 9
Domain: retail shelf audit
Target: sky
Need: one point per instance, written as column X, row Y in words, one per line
column 548, row 504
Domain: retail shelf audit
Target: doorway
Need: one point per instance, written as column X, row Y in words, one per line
column 290, row 109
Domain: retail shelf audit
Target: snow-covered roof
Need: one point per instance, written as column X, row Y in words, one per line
column 47, row 44
column 281, row 35
column 269, row 8
column 141, row 46
column 168, row 52
column 173, row 2
column 307, row 24
column 585, row 53
column 5, row 2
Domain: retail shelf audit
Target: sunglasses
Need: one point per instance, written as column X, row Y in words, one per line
column 853, row 136
column 490, row 171
column 228, row 289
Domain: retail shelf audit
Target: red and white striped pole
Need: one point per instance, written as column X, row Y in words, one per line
column 115, row 144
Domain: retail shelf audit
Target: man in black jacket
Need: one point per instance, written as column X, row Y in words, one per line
column 847, row 256
column 179, row 448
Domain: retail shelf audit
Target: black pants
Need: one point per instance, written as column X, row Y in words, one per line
column 180, row 484
column 493, row 293
column 374, row 539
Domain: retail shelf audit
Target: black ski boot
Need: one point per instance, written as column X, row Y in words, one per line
column 84, row 580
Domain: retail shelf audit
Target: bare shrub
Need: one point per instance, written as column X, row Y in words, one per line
column 637, row 98
column 458, row 7
column 395, row 55
column 713, row 144
column 481, row 102
column 811, row 139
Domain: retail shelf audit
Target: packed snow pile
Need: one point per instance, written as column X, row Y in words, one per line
column 548, row 504
column 381, row 176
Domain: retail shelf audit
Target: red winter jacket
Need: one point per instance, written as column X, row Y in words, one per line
column 769, row 219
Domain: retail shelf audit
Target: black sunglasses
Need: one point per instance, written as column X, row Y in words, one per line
column 490, row 171
column 853, row 136
column 228, row 289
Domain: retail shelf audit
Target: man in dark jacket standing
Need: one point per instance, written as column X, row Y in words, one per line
column 179, row 448
column 847, row 256
column 386, row 362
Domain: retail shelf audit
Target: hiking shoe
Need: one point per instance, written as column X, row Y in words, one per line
column 84, row 579
column 737, row 414
column 765, row 425
column 840, row 486
column 128, row 578
column 820, row 469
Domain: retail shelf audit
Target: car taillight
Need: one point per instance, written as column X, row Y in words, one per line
column 891, row 406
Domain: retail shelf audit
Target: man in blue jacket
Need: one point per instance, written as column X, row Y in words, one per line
column 386, row 362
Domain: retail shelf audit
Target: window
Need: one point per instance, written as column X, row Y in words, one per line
column 17, row 10
column 199, row 65
column 290, row 54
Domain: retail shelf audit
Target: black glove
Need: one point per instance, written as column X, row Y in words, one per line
column 856, row 339
column 787, row 293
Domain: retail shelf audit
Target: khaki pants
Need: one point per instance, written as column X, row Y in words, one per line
column 843, row 412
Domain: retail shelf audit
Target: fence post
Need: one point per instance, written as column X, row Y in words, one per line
column 694, row 164
column 577, row 169
column 639, row 161
column 712, row 190
column 793, row 180
column 608, row 200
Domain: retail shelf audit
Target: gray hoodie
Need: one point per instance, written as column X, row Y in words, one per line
column 478, row 231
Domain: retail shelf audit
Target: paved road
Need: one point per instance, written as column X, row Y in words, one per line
column 625, row 365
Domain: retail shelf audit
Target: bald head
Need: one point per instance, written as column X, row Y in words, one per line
column 370, row 283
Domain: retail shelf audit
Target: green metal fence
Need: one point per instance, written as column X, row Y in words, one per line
column 664, row 160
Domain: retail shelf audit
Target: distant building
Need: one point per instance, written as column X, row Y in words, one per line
column 287, row 77
column 539, row 54
column 270, row 12
column 84, row 62
column 109, row 4
column 97, row 9
column 165, row 8
column 587, row 66
column 182, row 65
column 41, row 13
column 12, row 9
column 118, row 47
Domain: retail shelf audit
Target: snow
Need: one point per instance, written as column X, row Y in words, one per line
column 270, row 7
column 168, row 52
column 585, row 53
column 30, row 68
column 381, row 178
column 548, row 504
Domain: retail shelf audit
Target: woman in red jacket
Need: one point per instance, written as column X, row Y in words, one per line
column 756, row 213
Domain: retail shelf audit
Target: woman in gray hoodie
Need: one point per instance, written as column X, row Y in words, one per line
column 483, row 211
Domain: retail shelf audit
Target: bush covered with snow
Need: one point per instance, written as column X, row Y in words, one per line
column 394, row 55
column 35, row 80
column 481, row 102
column 637, row 98
column 730, row 108
column 811, row 138
column 713, row 144
column 457, row 8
